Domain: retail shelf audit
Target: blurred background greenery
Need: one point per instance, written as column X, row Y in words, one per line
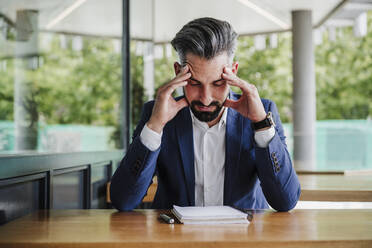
column 84, row 86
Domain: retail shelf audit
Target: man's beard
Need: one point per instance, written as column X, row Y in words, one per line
column 206, row 116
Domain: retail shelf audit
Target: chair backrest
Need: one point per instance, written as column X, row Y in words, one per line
column 149, row 197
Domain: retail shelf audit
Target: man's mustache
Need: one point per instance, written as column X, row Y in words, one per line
column 214, row 103
column 199, row 103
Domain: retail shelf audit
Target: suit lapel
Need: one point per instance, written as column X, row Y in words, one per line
column 234, row 133
column 186, row 145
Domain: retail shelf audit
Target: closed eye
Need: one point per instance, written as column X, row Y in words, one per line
column 194, row 83
column 219, row 83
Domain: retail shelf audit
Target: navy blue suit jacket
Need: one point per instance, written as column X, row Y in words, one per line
column 254, row 177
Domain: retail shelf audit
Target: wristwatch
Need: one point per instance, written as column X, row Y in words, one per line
column 267, row 122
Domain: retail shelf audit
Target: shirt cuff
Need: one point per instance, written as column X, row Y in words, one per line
column 264, row 137
column 150, row 138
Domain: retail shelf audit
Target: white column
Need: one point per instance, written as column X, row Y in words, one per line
column 148, row 70
column 26, row 53
column 304, row 98
column 360, row 25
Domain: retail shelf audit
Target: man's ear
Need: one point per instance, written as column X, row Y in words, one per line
column 234, row 67
column 177, row 67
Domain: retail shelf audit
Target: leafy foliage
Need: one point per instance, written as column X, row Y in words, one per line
column 84, row 86
column 344, row 76
column 269, row 70
column 6, row 90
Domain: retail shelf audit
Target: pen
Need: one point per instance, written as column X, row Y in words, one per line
column 167, row 219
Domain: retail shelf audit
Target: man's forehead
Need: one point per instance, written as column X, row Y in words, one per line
column 206, row 76
column 204, row 66
column 197, row 68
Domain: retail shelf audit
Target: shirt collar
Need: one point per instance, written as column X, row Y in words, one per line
column 220, row 124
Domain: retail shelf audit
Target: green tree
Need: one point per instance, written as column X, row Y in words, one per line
column 84, row 87
column 269, row 70
column 344, row 76
column 6, row 89
column 80, row 86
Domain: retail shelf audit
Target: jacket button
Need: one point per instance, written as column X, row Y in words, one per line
column 137, row 165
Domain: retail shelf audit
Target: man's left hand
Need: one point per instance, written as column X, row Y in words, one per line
column 249, row 104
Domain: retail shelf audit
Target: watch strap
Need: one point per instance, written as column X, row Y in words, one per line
column 267, row 122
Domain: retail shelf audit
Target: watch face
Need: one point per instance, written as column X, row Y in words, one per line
column 271, row 119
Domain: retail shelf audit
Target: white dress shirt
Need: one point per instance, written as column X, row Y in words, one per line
column 209, row 154
column 209, row 163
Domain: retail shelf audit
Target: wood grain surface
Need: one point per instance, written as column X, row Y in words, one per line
column 343, row 188
column 142, row 228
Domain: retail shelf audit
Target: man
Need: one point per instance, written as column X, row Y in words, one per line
column 210, row 146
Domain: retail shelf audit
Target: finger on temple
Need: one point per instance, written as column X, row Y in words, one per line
column 227, row 70
column 180, row 77
column 229, row 76
column 234, row 81
column 183, row 75
column 231, row 81
column 175, row 85
column 183, row 70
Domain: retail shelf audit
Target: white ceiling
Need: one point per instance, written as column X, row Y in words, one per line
column 171, row 15
column 159, row 20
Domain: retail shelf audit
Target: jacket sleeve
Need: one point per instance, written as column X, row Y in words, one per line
column 132, row 178
column 278, row 178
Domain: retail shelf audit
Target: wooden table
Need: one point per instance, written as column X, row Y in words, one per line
column 108, row 228
column 335, row 187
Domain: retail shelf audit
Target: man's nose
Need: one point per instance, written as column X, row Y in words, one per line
column 206, row 96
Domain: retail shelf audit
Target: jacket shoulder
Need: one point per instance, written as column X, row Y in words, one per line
column 149, row 105
column 267, row 103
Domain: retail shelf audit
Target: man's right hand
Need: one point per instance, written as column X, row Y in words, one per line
column 166, row 107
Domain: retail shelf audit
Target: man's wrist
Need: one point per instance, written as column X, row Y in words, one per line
column 259, row 118
column 265, row 123
column 155, row 126
column 262, row 129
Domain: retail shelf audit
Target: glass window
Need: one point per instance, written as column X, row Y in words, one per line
column 60, row 75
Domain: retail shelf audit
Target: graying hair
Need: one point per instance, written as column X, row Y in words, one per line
column 205, row 37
